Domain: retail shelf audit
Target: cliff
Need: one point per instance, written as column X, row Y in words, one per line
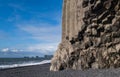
column 90, row 35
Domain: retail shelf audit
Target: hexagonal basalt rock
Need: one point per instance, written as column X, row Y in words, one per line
column 90, row 35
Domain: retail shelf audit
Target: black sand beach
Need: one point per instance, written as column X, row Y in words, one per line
column 43, row 71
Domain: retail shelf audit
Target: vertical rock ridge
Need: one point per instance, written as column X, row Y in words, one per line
column 90, row 35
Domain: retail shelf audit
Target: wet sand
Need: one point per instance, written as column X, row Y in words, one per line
column 43, row 71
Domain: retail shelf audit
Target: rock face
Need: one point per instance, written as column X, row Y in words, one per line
column 90, row 35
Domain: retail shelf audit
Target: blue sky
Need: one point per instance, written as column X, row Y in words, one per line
column 30, row 25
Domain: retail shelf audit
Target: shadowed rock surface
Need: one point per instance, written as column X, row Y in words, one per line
column 90, row 35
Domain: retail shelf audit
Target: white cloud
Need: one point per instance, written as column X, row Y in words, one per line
column 43, row 48
column 48, row 35
column 14, row 50
column 5, row 50
column 10, row 50
column 42, row 32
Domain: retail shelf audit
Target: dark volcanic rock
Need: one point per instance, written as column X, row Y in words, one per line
column 90, row 35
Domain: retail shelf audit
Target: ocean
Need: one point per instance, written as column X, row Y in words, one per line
column 20, row 62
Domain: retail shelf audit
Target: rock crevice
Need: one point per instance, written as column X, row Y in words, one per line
column 90, row 35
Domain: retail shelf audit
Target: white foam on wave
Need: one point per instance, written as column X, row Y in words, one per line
column 24, row 64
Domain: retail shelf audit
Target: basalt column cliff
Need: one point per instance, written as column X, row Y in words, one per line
column 90, row 35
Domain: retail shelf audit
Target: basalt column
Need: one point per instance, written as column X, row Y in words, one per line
column 90, row 35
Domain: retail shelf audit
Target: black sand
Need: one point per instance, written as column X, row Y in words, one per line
column 43, row 71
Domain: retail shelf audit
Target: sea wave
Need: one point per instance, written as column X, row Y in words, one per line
column 24, row 64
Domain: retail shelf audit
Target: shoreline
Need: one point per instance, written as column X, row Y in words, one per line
column 24, row 64
column 22, row 67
